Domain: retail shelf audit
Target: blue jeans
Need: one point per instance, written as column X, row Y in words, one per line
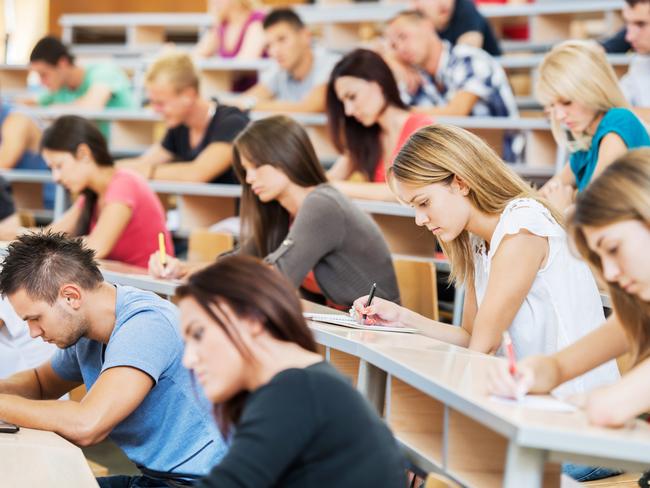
column 588, row 473
column 122, row 481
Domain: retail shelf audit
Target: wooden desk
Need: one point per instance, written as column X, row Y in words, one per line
column 432, row 396
column 33, row 458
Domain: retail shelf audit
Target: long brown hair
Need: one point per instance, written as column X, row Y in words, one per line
column 282, row 143
column 253, row 290
column 437, row 153
column 348, row 134
column 621, row 192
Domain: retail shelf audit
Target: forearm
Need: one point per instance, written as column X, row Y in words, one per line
column 365, row 191
column 451, row 334
column 66, row 418
column 184, row 171
column 277, row 106
column 25, row 384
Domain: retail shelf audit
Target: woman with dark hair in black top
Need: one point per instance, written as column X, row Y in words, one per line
column 294, row 420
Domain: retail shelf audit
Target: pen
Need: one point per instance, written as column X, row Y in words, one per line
column 161, row 246
column 371, row 295
column 510, row 352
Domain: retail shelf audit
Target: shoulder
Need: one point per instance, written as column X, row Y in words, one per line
column 101, row 70
column 416, row 121
column 324, row 59
column 626, row 124
column 324, row 200
column 311, row 380
column 133, row 304
column 226, row 115
column 618, row 115
column 463, row 54
column 126, row 180
column 528, row 214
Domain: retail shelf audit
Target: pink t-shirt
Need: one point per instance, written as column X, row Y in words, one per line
column 414, row 122
column 139, row 240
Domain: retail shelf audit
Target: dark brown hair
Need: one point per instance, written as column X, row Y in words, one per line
column 66, row 134
column 280, row 142
column 348, row 134
column 255, row 290
column 621, row 192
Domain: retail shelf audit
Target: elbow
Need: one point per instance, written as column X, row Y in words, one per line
column 601, row 411
column 86, row 433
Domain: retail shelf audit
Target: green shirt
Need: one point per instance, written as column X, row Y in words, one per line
column 106, row 74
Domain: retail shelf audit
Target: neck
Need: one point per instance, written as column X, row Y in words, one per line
column 237, row 15
column 482, row 224
column 272, row 357
column 595, row 122
column 101, row 178
column 392, row 119
column 199, row 116
column 75, row 77
column 293, row 197
column 303, row 67
column 431, row 63
column 100, row 304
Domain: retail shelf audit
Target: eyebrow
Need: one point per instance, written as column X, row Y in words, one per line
column 415, row 197
column 30, row 317
column 189, row 326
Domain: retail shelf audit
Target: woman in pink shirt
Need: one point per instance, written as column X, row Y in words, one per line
column 117, row 212
column 368, row 122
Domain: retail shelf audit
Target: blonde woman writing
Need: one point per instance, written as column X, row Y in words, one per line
column 503, row 243
column 589, row 116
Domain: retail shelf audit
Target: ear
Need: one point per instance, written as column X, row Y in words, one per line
column 83, row 153
column 459, row 185
column 71, row 294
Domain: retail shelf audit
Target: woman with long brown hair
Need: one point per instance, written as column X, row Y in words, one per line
column 504, row 244
column 611, row 229
column 296, row 421
column 297, row 222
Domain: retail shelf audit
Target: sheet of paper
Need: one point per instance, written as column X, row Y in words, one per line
column 537, row 402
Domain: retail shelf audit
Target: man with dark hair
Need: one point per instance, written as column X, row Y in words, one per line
column 298, row 80
column 124, row 345
column 94, row 86
column 635, row 83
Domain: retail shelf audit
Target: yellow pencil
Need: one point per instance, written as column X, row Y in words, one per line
column 163, row 252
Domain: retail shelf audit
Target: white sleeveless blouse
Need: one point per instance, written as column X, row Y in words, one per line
column 563, row 303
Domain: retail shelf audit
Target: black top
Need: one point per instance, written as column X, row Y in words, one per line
column 617, row 43
column 225, row 125
column 467, row 18
column 6, row 200
column 309, row 428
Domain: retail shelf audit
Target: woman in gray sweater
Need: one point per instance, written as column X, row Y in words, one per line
column 296, row 221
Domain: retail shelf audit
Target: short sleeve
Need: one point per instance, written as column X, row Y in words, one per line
column 324, row 68
column 270, row 78
column 66, row 364
column 628, row 127
column 525, row 214
column 123, row 189
column 45, row 99
column 472, row 73
column 6, row 201
column 229, row 126
column 466, row 18
column 169, row 141
column 146, row 341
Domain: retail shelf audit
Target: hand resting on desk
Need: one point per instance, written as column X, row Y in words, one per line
column 174, row 268
column 380, row 312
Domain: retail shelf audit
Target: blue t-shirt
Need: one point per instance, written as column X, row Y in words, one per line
column 31, row 160
column 621, row 121
column 172, row 430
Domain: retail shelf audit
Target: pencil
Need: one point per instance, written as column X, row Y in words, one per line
column 163, row 251
column 371, row 295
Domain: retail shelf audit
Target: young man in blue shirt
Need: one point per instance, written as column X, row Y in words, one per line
column 124, row 345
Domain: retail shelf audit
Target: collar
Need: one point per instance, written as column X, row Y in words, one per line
column 14, row 324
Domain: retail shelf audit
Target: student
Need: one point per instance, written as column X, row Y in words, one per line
column 635, row 83
column 368, row 123
column 198, row 144
column 589, row 116
column 460, row 22
column 299, row 223
column 20, row 138
column 124, row 345
column 456, row 80
column 504, row 245
column 94, row 87
column 118, row 213
column 294, row 420
column 297, row 83
column 237, row 34
column 610, row 227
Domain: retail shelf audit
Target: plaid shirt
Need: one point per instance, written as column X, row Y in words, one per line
column 466, row 68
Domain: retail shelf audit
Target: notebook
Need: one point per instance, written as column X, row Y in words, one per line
column 347, row 321
column 537, row 402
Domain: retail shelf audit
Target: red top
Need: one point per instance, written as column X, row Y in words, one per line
column 139, row 240
column 412, row 124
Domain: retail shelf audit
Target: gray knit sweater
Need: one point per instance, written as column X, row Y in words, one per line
column 342, row 244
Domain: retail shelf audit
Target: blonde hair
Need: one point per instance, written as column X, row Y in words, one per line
column 437, row 153
column 621, row 192
column 174, row 68
column 578, row 71
column 249, row 5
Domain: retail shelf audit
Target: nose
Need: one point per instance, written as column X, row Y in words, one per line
column 250, row 176
column 34, row 331
column 560, row 113
column 421, row 218
column 348, row 107
column 611, row 270
column 630, row 33
column 56, row 175
column 189, row 358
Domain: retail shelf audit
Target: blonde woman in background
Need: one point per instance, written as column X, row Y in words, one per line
column 504, row 244
column 197, row 146
column 589, row 116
